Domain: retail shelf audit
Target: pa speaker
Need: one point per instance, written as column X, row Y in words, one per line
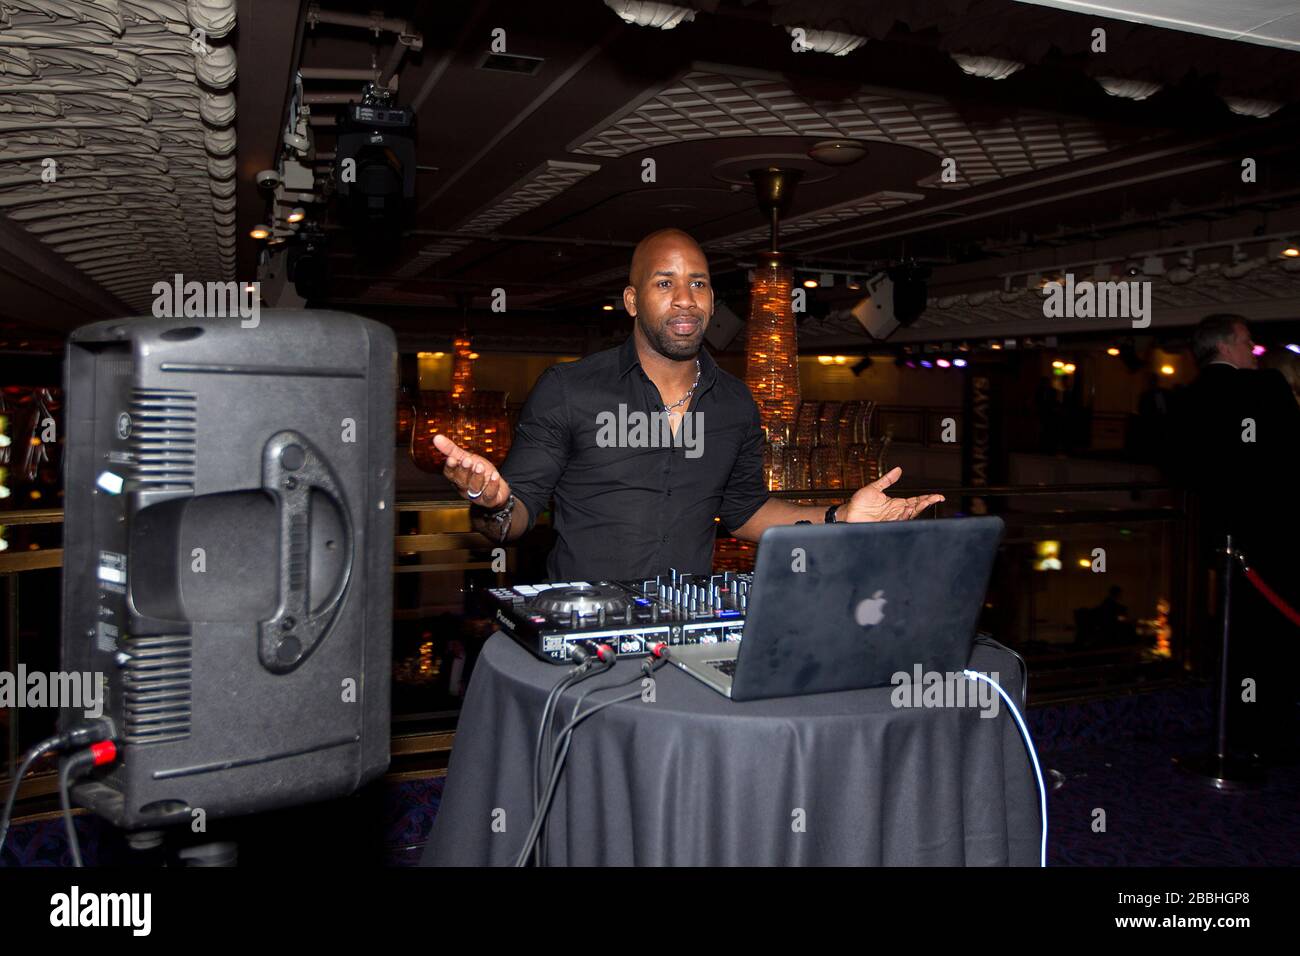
column 895, row 298
column 723, row 327
column 228, row 542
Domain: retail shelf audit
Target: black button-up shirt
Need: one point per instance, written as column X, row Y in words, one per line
column 633, row 502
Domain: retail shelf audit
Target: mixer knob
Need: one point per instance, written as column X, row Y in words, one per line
column 600, row 616
column 574, row 619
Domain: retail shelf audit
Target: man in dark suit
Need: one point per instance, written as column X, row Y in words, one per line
column 1237, row 435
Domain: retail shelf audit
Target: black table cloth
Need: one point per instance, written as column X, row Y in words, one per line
column 694, row 779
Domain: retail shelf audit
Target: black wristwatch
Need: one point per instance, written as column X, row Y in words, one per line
column 830, row 514
column 500, row 517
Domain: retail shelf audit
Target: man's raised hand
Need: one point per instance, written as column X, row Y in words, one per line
column 476, row 478
column 870, row 503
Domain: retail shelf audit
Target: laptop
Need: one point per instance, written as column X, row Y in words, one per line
column 846, row 606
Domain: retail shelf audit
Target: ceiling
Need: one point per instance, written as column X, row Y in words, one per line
column 117, row 140
column 535, row 182
column 1270, row 22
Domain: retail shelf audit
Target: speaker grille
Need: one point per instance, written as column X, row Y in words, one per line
column 162, row 438
column 157, row 686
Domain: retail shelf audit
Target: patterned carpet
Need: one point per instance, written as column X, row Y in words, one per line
column 1114, row 756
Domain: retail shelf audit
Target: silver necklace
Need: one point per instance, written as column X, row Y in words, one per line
column 687, row 397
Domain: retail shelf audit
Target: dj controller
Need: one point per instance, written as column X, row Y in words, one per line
column 626, row 616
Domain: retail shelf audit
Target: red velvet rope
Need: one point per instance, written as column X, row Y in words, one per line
column 1286, row 610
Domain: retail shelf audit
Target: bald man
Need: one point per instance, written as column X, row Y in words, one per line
column 641, row 446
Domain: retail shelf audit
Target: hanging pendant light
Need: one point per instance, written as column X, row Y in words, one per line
column 772, row 353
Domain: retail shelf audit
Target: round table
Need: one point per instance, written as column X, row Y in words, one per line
column 695, row 779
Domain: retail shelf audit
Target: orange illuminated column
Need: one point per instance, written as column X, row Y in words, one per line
column 464, row 426
column 462, row 370
column 771, row 365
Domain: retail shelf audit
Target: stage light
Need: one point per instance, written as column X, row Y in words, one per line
column 1293, row 347
column 259, row 231
column 810, row 283
column 825, row 359
column 298, row 214
column 472, row 355
column 943, row 363
column 1085, row 563
column 996, row 346
column 1292, row 249
column 926, row 363
column 1166, row 370
column 607, row 307
column 1058, row 364
column 1112, row 351
column 959, row 362
column 840, row 359
column 1259, row 350
column 1068, row 368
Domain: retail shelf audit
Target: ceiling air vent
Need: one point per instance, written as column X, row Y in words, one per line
column 509, row 63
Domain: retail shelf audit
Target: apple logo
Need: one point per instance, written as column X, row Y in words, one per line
column 870, row 610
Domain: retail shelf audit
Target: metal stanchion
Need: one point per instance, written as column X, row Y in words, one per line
column 1220, row 769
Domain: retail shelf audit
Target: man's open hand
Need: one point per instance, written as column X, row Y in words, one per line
column 472, row 474
column 870, row 503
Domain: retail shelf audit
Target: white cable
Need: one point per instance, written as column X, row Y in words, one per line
column 1033, row 755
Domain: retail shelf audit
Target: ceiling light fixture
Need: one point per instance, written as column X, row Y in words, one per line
column 838, row 152
column 986, row 67
column 1136, row 90
column 646, row 13
column 1258, row 109
column 828, row 41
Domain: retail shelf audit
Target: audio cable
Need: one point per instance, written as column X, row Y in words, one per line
column 560, row 752
column 587, row 654
column 83, row 734
column 560, row 685
column 96, row 755
column 1033, row 755
column 648, row 668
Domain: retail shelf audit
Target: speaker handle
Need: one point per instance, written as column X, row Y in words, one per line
column 291, row 470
